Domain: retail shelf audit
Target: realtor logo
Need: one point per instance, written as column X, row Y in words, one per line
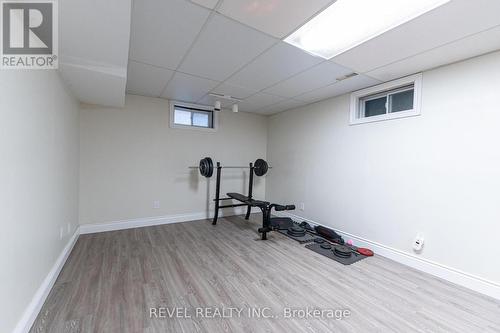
column 29, row 34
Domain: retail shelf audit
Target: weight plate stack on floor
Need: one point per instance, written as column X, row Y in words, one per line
column 342, row 251
column 296, row 231
column 342, row 254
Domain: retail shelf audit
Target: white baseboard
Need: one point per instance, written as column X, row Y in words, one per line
column 157, row 220
column 31, row 312
column 444, row 272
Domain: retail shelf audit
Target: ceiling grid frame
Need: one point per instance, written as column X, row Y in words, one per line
column 263, row 90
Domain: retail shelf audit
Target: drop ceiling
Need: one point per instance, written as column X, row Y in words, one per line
column 93, row 53
column 185, row 50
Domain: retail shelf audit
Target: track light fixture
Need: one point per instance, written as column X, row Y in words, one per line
column 217, row 106
column 226, row 97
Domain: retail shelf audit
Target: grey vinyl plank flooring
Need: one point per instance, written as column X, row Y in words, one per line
column 112, row 279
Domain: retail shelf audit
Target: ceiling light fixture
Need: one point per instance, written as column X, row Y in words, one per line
column 227, row 97
column 217, row 106
column 347, row 76
column 348, row 23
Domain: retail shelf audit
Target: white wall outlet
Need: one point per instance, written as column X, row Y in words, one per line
column 61, row 232
column 418, row 243
column 302, row 206
column 156, row 204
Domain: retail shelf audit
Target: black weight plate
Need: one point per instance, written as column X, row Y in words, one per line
column 203, row 166
column 342, row 251
column 206, row 167
column 319, row 240
column 341, row 255
column 296, row 234
column 297, row 229
column 260, row 167
column 326, row 246
column 210, row 167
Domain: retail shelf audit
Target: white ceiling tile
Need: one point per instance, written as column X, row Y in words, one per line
column 342, row 87
column 454, row 20
column 275, row 17
column 188, row 88
column 234, row 91
column 319, row 76
column 162, row 31
column 259, row 101
column 147, row 80
column 86, row 32
column 276, row 64
column 206, row 3
column 223, row 47
column 465, row 48
column 282, row 106
column 205, row 100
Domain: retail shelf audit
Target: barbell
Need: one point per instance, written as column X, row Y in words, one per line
column 206, row 167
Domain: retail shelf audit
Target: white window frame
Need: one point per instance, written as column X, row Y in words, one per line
column 215, row 116
column 386, row 89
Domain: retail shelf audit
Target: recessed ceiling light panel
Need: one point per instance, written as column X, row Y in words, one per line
column 349, row 23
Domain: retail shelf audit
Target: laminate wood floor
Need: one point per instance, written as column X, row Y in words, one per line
column 112, row 280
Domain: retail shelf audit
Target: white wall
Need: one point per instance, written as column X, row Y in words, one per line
column 438, row 173
column 39, row 183
column 130, row 157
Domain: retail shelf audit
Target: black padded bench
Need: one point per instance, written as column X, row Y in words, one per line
column 264, row 206
column 246, row 200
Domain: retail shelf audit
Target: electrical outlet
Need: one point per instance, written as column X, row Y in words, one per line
column 156, row 204
column 302, row 206
column 61, row 232
column 418, row 243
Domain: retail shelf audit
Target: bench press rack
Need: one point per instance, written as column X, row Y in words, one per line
column 265, row 206
column 218, row 199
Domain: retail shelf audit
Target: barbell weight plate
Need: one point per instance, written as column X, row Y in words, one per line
column 206, row 167
column 260, row 167
column 210, row 167
column 203, row 167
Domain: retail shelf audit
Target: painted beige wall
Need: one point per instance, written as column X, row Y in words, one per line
column 438, row 173
column 39, row 177
column 130, row 157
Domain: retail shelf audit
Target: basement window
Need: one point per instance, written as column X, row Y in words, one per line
column 396, row 99
column 192, row 116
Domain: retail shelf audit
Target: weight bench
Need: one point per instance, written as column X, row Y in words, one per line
column 247, row 201
column 266, row 208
